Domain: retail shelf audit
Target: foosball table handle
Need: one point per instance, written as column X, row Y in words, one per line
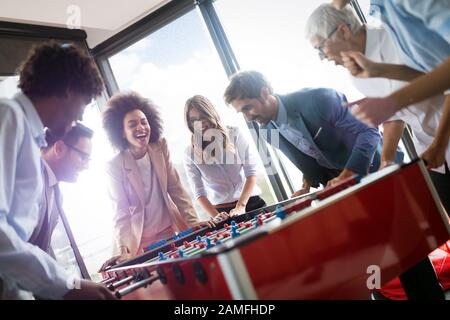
column 133, row 287
column 118, row 284
column 106, row 282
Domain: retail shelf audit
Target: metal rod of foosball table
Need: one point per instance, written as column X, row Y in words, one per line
column 115, row 285
column 108, row 281
column 133, row 287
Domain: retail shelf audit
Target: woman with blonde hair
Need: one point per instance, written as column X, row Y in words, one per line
column 219, row 165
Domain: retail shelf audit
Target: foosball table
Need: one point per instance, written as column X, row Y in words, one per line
column 327, row 245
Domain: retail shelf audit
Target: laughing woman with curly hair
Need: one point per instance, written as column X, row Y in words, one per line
column 149, row 200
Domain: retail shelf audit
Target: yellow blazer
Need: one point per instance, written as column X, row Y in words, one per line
column 126, row 190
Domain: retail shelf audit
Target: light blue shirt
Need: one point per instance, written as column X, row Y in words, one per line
column 297, row 138
column 222, row 182
column 22, row 264
column 420, row 29
column 343, row 141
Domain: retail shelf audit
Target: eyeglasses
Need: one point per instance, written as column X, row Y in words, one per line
column 319, row 47
column 85, row 157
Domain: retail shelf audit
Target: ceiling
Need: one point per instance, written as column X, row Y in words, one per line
column 100, row 19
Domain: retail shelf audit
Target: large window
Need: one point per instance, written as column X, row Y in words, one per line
column 86, row 202
column 170, row 66
column 268, row 36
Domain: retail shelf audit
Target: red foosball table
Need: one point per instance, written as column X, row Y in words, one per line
column 334, row 244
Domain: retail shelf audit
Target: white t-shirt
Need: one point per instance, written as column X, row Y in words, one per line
column 223, row 182
column 423, row 117
column 157, row 217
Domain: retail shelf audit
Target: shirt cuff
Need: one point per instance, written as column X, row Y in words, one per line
column 249, row 171
column 359, row 164
column 199, row 194
column 63, row 282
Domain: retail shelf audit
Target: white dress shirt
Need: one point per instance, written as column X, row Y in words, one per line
column 157, row 216
column 297, row 138
column 422, row 117
column 222, row 182
column 24, row 266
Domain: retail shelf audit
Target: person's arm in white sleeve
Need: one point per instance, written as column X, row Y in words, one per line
column 196, row 184
column 249, row 166
column 28, row 266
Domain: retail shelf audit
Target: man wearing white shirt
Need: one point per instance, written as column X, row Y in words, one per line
column 56, row 82
column 376, row 44
column 331, row 32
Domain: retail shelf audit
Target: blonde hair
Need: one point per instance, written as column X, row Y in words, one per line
column 206, row 109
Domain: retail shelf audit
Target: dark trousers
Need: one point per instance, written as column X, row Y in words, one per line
column 420, row 282
column 441, row 182
column 253, row 203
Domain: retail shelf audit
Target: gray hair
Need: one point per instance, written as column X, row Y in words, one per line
column 326, row 18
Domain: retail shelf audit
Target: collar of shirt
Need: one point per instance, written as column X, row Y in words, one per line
column 50, row 175
column 282, row 119
column 36, row 126
column 373, row 38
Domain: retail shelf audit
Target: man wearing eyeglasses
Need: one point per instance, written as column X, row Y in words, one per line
column 376, row 44
column 331, row 32
column 321, row 43
column 63, row 160
column 334, row 32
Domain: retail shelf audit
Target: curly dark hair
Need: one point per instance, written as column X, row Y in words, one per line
column 51, row 69
column 116, row 109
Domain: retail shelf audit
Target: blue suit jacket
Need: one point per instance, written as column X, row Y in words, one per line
column 343, row 141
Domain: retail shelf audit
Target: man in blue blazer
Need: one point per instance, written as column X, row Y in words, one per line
column 319, row 136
